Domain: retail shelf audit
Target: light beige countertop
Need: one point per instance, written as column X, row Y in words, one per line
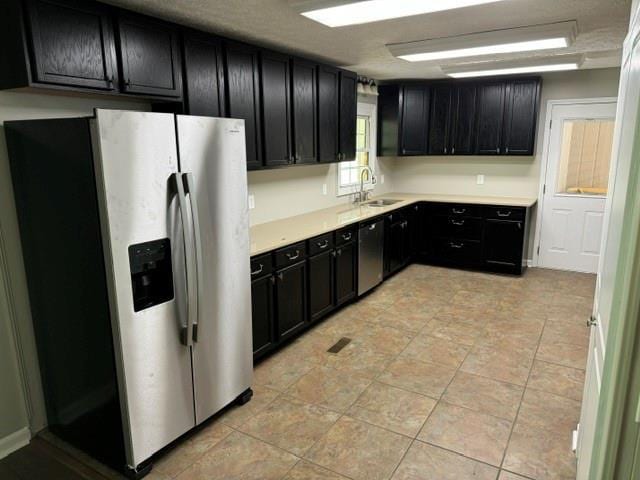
column 280, row 233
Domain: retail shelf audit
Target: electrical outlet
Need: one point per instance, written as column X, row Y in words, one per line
column 324, row 188
column 252, row 202
column 480, row 180
column 381, row 179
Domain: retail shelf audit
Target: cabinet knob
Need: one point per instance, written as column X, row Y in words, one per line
column 281, row 276
column 453, row 150
column 506, row 150
column 498, row 150
column 592, row 322
column 445, row 150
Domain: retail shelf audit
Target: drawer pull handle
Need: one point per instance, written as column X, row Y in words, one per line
column 458, row 211
column 504, row 214
column 456, row 245
column 346, row 236
column 458, row 223
column 293, row 256
column 258, row 271
column 324, row 244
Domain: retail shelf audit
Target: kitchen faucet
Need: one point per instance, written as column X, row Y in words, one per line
column 359, row 198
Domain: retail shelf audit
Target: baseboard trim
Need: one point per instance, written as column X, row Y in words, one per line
column 529, row 262
column 14, row 441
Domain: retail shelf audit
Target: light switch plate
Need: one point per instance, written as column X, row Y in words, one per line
column 480, row 179
column 252, row 202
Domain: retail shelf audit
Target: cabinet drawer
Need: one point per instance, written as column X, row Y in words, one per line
column 505, row 213
column 261, row 265
column 458, row 227
column 321, row 243
column 457, row 209
column 290, row 255
column 346, row 235
column 463, row 252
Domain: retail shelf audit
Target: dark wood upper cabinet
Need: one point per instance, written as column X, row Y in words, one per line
column 348, row 115
column 304, row 107
column 415, row 119
column 463, row 120
column 521, row 113
column 149, row 55
column 490, row 118
column 72, row 44
column 440, row 119
column 243, row 96
column 203, row 75
column 276, row 108
column 328, row 113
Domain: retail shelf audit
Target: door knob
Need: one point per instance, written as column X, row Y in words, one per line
column 592, row 322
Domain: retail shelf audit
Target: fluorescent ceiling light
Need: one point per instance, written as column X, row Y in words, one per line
column 523, row 39
column 336, row 13
column 486, row 69
column 516, row 70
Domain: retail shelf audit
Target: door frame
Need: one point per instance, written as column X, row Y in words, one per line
column 544, row 161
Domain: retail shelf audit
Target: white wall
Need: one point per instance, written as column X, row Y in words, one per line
column 17, row 412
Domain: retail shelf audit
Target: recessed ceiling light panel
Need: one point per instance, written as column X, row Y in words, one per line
column 523, row 39
column 490, row 69
column 336, row 13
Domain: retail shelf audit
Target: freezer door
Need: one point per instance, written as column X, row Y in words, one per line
column 212, row 157
column 135, row 156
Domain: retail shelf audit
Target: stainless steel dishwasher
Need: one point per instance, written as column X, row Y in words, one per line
column 370, row 252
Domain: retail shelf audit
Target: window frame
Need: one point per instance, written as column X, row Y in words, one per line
column 368, row 110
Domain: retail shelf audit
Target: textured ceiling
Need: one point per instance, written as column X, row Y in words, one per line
column 602, row 26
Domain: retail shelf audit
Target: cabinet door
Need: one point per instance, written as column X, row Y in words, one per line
column 440, row 120
column 346, row 268
column 490, row 118
column 149, row 56
column 203, row 75
column 276, row 109
column 321, row 275
column 304, row 101
column 415, row 118
column 291, row 288
column 263, row 314
column 463, row 125
column 348, row 114
column 520, row 117
column 503, row 244
column 73, row 44
column 328, row 113
column 395, row 244
column 242, row 83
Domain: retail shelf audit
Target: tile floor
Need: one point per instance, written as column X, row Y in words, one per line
column 450, row 375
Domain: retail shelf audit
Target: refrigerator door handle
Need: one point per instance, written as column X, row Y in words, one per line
column 190, row 187
column 186, row 333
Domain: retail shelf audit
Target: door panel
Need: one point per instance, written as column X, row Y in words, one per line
column 135, row 207
column 463, row 128
column 73, row 44
column 490, row 118
column 415, row 119
column 321, row 274
column 262, row 307
column 212, row 150
column 328, row 113
column 348, row 114
column 578, row 160
column 520, row 117
column 150, row 57
column 304, row 103
column 276, row 108
column 291, row 287
column 243, row 97
column 203, row 76
column 440, row 120
column 346, row 264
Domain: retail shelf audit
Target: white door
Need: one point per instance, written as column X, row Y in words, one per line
column 578, row 160
column 623, row 157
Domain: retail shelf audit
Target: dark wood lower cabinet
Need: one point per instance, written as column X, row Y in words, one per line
column 346, row 273
column 291, row 297
column 262, row 305
column 321, row 284
column 317, row 276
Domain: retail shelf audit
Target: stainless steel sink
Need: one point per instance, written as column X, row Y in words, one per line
column 384, row 202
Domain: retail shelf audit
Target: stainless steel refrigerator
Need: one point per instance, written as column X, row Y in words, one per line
column 145, row 216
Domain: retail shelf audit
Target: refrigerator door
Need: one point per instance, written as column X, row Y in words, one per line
column 212, row 158
column 136, row 161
